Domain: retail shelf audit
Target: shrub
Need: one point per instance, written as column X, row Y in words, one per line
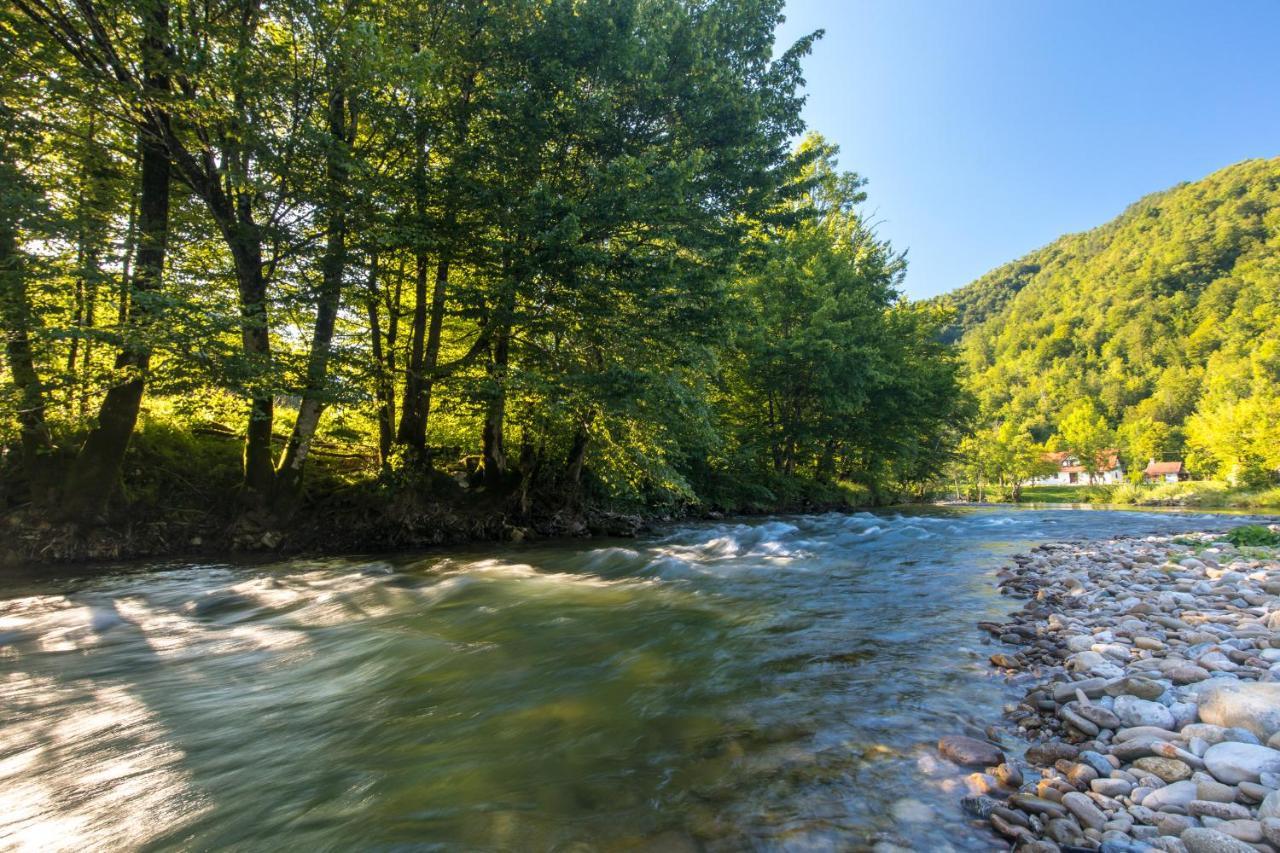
column 1127, row 493
column 1253, row 534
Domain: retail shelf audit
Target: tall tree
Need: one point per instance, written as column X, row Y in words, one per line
column 97, row 466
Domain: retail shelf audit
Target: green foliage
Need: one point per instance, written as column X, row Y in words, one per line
column 541, row 253
column 170, row 465
column 1252, row 535
column 1001, row 455
column 1084, row 432
column 828, row 371
column 1162, row 325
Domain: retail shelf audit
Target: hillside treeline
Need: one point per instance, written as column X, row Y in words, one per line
column 1157, row 334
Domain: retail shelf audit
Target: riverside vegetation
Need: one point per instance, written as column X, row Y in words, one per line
column 352, row 273
column 1189, row 493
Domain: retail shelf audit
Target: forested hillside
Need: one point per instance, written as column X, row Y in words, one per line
column 510, row 259
column 1159, row 331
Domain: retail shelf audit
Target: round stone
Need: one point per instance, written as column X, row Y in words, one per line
column 970, row 752
column 1199, row 839
column 1232, row 763
column 1167, row 769
column 1255, row 707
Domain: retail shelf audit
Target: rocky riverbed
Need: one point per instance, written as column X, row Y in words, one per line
column 1152, row 714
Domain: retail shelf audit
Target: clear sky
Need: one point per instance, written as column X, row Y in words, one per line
column 989, row 127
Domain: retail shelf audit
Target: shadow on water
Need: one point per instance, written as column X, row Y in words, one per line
column 772, row 684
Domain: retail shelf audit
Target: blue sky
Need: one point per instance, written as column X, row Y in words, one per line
column 989, row 127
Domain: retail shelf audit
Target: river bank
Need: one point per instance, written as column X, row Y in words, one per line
column 1151, row 718
column 1200, row 494
column 364, row 519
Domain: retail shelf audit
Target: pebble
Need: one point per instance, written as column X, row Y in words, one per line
column 1222, row 811
column 1085, row 811
column 1215, row 792
column 1255, row 707
column 970, row 752
column 1231, row 763
column 908, row 810
column 1203, row 840
column 1152, row 709
column 1270, row 806
column 1168, row 769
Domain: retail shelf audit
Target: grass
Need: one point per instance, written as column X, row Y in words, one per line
column 1066, row 494
column 1194, row 493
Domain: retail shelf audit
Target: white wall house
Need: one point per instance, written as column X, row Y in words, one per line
column 1071, row 473
column 1164, row 472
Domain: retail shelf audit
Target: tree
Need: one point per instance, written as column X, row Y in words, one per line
column 557, row 252
column 1238, row 441
column 1085, row 432
column 830, row 372
column 1144, row 439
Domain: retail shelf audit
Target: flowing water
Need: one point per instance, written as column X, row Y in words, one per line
column 769, row 685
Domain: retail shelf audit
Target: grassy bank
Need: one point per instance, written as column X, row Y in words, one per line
column 1197, row 493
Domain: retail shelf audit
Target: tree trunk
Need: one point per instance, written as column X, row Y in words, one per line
column 413, row 420
column 425, row 355
column 333, row 266
column 15, row 313
column 826, row 471
column 96, row 470
column 90, row 321
column 577, row 457
column 435, row 327
column 126, row 265
column 528, row 464
column 495, row 454
column 383, row 383
column 259, row 467
column 90, row 235
column 425, row 352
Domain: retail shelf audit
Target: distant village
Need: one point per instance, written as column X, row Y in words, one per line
column 1069, row 471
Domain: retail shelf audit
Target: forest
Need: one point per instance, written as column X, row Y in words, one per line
column 1157, row 334
column 354, row 272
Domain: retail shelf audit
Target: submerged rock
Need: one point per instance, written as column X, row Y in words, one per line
column 970, row 752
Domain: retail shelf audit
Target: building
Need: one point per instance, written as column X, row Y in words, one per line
column 1164, row 472
column 1071, row 473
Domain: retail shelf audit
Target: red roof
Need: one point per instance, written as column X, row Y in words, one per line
column 1157, row 468
column 1110, row 459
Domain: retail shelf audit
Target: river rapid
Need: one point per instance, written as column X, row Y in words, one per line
column 774, row 684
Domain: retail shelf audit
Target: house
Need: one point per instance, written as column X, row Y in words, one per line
column 1071, row 473
column 1164, row 472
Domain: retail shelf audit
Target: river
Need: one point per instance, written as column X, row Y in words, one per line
column 773, row 684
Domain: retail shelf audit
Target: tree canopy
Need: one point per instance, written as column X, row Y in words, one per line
column 557, row 250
